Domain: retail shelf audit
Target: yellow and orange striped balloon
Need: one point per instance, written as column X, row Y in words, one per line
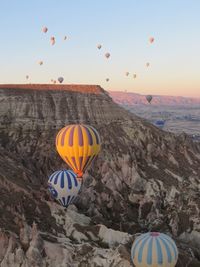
column 78, row 145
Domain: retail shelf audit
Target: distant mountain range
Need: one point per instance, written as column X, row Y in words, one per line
column 126, row 98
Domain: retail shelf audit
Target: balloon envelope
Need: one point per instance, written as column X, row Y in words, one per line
column 44, row 29
column 149, row 98
column 134, row 76
column 127, row 73
column 160, row 123
column 151, row 40
column 107, row 55
column 40, row 62
column 107, row 80
column 52, row 40
column 64, row 186
column 154, row 250
column 65, row 38
column 78, row 145
column 99, row 46
column 60, row 79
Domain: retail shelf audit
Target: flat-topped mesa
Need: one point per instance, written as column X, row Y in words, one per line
column 82, row 88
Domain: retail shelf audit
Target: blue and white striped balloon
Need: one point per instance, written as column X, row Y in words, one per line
column 64, row 186
column 154, row 250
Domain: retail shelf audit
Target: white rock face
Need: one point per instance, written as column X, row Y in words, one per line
column 113, row 238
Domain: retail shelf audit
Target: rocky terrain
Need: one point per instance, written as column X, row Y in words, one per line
column 129, row 98
column 144, row 179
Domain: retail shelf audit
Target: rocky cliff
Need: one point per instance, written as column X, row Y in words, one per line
column 144, row 179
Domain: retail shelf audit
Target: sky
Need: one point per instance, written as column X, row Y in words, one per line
column 122, row 27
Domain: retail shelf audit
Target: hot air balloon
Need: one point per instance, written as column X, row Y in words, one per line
column 149, row 98
column 44, row 29
column 151, row 40
column 27, row 77
column 65, row 38
column 99, row 46
column 154, row 250
column 52, row 40
column 147, row 64
column 127, row 73
column 134, row 76
column 40, row 63
column 107, row 55
column 107, row 79
column 64, row 186
column 60, row 79
column 159, row 123
column 78, row 145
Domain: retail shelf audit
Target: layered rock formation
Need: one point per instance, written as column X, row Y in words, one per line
column 144, row 179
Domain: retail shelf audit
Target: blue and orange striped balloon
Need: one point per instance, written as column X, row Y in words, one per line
column 64, row 186
column 154, row 250
column 78, row 145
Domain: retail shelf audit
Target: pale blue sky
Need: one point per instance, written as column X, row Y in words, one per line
column 123, row 27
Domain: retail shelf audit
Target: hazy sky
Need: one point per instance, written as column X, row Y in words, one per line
column 123, row 27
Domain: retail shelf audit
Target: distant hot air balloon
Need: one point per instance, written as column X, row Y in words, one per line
column 52, row 40
column 40, row 63
column 107, row 79
column 27, row 77
column 126, row 73
column 64, row 186
column 134, row 76
column 99, row 46
column 78, row 145
column 60, row 79
column 151, row 40
column 149, row 98
column 159, row 123
column 107, row 55
column 44, row 29
column 65, row 38
column 154, row 250
column 147, row 64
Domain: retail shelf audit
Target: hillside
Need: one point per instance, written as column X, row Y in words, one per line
column 127, row 98
column 144, row 179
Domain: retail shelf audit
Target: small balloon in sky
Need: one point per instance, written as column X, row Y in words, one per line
column 27, row 77
column 107, row 79
column 107, row 55
column 149, row 98
column 60, row 79
column 65, row 38
column 147, row 64
column 99, row 46
column 52, row 40
column 40, row 63
column 151, row 40
column 126, row 73
column 44, row 29
column 134, row 76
